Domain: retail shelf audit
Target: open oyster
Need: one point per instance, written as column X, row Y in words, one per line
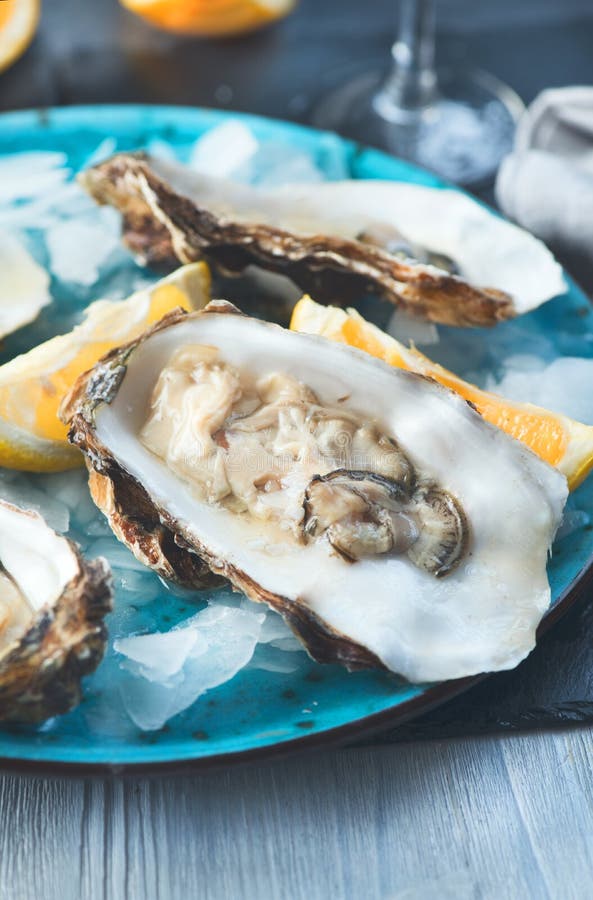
column 52, row 605
column 337, row 240
column 374, row 509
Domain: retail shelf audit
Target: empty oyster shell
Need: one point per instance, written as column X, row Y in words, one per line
column 337, row 241
column 52, row 605
column 220, row 428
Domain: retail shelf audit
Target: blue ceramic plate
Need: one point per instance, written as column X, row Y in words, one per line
column 258, row 712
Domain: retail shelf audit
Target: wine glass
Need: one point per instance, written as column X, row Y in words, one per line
column 458, row 123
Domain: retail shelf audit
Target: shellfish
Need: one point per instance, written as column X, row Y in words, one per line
column 388, row 523
column 337, row 241
column 52, row 606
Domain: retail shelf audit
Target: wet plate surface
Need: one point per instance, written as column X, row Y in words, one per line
column 280, row 697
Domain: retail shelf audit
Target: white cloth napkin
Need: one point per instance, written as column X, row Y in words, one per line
column 546, row 184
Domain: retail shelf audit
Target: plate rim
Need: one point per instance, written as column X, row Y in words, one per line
column 327, row 738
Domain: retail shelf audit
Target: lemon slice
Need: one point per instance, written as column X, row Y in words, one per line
column 560, row 441
column 32, row 385
column 209, row 17
column 18, row 23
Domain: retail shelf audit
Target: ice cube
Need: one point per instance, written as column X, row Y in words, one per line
column 45, row 210
column 410, row 329
column 232, row 151
column 159, row 656
column 226, row 637
column 272, row 659
column 277, row 163
column 26, row 175
column 98, row 526
column 289, row 644
column 31, row 162
column 20, row 491
column 117, row 554
column 150, row 704
column 525, row 362
column 140, row 588
column 78, row 248
column 71, row 487
column 224, row 151
column 24, row 286
column 140, row 581
column 103, row 710
column 161, row 150
column 106, row 148
column 274, row 628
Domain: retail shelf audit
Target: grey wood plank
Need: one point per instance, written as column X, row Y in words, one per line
column 557, row 811
column 490, row 818
column 93, row 823
column 40, row 834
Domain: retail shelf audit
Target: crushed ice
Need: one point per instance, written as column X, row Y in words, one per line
column 79, row 248
column 225, row 151
column 231, row 150
column 408, row 329
column 30, row 175
column 30, row 493
column 164, row 673
column 167, row 673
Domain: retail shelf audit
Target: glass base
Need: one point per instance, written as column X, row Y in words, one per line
column 462, row 135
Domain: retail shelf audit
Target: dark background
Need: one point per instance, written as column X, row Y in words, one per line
column 92, row 51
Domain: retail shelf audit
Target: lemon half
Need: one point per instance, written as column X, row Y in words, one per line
column 209, row 18
column 32, row 385
column 18, row 24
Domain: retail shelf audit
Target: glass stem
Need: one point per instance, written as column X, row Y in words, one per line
column 411, row 86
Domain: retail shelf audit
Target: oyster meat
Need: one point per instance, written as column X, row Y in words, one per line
column 387, row 522
column 337, row 240
column 52, row 606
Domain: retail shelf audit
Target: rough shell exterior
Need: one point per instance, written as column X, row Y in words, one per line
column 40, row 676
column 163, row 227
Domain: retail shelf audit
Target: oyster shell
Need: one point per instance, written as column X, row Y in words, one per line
column 52, row 605
column 337, row 241
column 424, row 553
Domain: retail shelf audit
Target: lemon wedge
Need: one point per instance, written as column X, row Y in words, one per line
column 32, row 385
column 209, row 17
column 560, row 441
column 18, row 23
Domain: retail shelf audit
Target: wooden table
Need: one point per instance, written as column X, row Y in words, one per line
column 490, row 817
column 494, row 818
